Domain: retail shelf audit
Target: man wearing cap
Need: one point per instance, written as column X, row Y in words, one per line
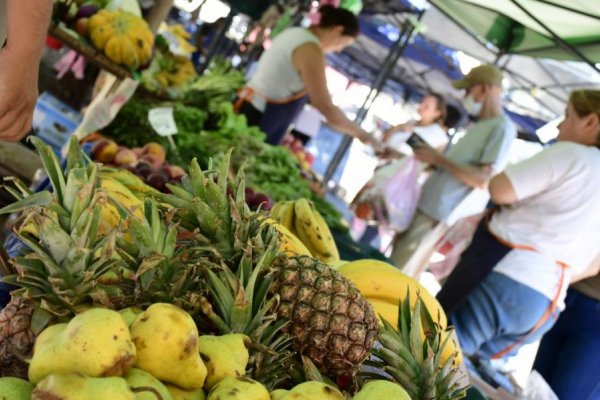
column 470, row 163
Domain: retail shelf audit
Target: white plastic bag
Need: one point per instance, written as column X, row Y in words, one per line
column 401, row 194
column 538, row 389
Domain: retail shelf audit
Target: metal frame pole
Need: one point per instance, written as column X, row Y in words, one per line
column 394, row 54
column 217, row 40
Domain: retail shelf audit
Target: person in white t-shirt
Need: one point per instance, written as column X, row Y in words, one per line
column 23, row 26
column 545, row 232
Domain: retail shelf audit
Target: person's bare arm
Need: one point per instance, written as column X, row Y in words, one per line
column 502, row 191
column 476, row 177
column 310, row 62
column 27, row 24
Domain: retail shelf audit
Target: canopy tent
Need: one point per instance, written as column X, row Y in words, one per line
column 537, row 87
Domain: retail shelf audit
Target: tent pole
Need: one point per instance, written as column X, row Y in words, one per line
column 393, row 55
column 217, row 40
column 557, row 38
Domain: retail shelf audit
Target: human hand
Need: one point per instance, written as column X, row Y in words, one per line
column 387, row 153
column 427, row 154
column 18, row 94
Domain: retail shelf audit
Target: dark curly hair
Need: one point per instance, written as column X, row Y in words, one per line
column 332, row 17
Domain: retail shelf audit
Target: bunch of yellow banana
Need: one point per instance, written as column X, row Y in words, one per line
column 289, row 242
column 128, row 179
column 302, row 220
column 385, row 286
column 110, row 216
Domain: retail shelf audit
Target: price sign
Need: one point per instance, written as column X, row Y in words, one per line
column 162, row 121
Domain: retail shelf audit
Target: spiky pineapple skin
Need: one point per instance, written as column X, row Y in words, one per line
column 16, row 337
column 330, row 321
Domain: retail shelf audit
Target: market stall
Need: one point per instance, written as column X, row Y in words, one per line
column 167, row 252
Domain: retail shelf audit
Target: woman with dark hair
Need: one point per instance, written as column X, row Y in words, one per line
column 292, row 72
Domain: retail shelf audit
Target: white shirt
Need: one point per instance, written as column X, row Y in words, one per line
column 276, row 77
column 557, row 214
column 432, row 134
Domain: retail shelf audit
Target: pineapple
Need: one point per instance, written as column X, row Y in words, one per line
column 330, row 321
column 412, row 355
column 16, row 337
column 224, row 234
column 64, row 261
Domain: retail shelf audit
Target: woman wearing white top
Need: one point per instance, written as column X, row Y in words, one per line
column 432, row 114
column 292, row 72
column 510, row 284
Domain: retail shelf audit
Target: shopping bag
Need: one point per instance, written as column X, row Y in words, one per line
column 401, row 193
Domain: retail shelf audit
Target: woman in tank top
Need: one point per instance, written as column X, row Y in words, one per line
column 292, row 72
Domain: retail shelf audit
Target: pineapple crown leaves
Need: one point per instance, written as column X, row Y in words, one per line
column 212, row 207
column 72, row 189
column 411, row 355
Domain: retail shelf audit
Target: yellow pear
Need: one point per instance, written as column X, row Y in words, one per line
column 15, row 389
column 314, row 391
column 381, row 390
column 166, row 339
column 94, row 343
column 224, row 356
column 79, row 387
column 240, row 388
column 180, row 394
column 145, row 386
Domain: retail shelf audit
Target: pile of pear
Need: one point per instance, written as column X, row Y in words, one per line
column 156, row 354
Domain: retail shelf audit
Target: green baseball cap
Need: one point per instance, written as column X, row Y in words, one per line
column 485, row 73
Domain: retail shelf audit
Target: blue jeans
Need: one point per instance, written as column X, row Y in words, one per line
column 569, row 354
column 498, row 313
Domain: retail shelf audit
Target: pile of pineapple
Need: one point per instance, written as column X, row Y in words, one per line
column 189, row 294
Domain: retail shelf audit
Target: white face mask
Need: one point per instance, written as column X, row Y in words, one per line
column 473, row 107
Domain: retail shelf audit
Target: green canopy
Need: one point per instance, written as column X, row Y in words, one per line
column 558, row 29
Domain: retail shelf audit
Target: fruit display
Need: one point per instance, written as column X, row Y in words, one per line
column 191, row 295
column 124, row 37
column 305, row 159
column 304, row 222
column 148, row 162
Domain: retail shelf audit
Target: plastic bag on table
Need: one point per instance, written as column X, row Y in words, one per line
column 401, row 192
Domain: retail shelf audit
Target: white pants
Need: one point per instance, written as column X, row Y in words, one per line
column 414, row 247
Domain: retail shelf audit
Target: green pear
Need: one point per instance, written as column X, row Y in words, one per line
column 224, row 356
column 180, row 394
column 15, row 389
column 166, row 339
column 239, row 388
column 381, row 390
column 94, row 343
column 78, row 387
column 145, row 386
column 129, row 314
column 278, row 394
column 314, row 390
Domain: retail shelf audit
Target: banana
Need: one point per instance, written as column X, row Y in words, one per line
column 283, row 212
column 370, row 264
column 314, row 233
column 131, row 181
column 289, row 242
column 120, row 193
column 391, row 286
column 385, row 310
